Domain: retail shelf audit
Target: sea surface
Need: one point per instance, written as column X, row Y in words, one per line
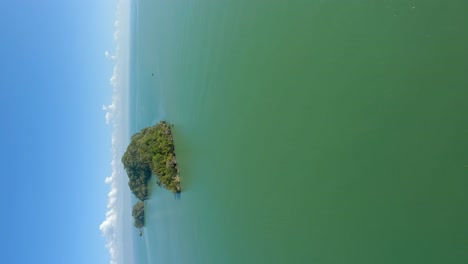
column 314, row 131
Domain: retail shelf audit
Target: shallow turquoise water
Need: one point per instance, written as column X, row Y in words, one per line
column 306, row 131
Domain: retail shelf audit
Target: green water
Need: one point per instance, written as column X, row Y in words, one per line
column 307, row 131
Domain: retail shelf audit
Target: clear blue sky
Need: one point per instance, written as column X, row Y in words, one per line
column 55, row 144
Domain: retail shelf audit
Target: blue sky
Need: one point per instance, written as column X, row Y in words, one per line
column 55, row 145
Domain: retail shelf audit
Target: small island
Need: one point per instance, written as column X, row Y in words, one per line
column 150, row 152
column 138, row 214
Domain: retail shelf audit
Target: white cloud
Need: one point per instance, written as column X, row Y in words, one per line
column 111, row 226
column 112, row 109
column 107, row 54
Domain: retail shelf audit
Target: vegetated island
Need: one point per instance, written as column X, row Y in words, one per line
column 150, row 152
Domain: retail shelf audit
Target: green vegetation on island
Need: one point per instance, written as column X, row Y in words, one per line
column 150, row 152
